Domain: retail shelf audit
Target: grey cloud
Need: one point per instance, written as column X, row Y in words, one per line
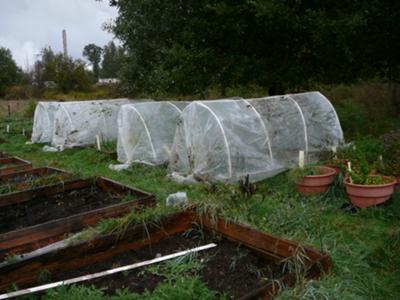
column 26, row 26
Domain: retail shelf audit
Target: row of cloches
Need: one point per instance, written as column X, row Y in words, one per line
column 224, row 140
column 76, row 123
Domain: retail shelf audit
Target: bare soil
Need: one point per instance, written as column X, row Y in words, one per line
column 229, row 268
column 43, row 209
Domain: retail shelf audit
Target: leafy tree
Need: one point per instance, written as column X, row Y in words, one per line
column 67, row 73
column 112, row 60
column 188, row 46
column 93, row 53
column 8, row 70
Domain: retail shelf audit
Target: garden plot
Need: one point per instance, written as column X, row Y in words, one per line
column 34, row 218
column 244, row 264
column 27, row 180
column 13, row 164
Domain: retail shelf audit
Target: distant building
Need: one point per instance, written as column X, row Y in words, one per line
column 107, row 81
column 50, row 84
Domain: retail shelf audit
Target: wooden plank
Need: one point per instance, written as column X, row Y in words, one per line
column 20, row 165
column 88, row 252
column 256, row 239
column 105, row 273
column 44, row 191
column 36, row 171
column 33, row 237
column 105, row 247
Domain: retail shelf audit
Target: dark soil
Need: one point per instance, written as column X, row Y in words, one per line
column 43, row 209
column 19, row 179
column 228, row 268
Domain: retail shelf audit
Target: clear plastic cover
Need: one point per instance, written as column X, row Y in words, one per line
column 146, row 131
column 227, row 140
column 43, row 119
column 78, row 123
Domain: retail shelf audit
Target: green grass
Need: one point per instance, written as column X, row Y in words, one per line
column 364, row 245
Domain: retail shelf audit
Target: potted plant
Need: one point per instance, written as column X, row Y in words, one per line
column 390, row 164
column 366, row 188
column 313, row 180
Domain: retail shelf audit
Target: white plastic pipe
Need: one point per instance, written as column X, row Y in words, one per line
column 104, row 273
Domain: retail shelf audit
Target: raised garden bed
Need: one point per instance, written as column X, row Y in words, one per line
column 35, row 218
column 245, row 264
column 13, row 164
column 26, row 180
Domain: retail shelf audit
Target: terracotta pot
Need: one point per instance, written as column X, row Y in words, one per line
column 363, row 196
column 316, row 184
column 337, row 169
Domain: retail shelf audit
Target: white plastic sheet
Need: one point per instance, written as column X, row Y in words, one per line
column 77, row 123
column 42, row 130
column 146, row 131
column 227, row 140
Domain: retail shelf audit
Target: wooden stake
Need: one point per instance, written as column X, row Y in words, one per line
column 98, row 142
column 301, row 159
column 104, row 273
column 334, row 150
column 350, row 170
column 8, row 128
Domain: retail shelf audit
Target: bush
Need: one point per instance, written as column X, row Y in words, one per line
column 19, row 92
column 29, row 111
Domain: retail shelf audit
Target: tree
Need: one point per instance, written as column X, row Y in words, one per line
column 112, row 60
column 67, row 73
column 8, row 70
column 93, row 54
column 188, row 46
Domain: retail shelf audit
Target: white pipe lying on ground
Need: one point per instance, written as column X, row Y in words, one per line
column 104, row 273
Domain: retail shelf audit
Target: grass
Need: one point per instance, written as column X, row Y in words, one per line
column 364, row 245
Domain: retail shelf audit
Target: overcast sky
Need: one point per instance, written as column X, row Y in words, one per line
column 26, row 26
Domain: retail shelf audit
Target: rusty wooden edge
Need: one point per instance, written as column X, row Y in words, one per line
column 277, row 242
column 40, row 235
column 14, row 159
column 47, row 190
column 40, row 171
column 143, row 201
column 51, row 189
column 102, row 179
column 100, row 246
column 54, row 230
column 16, row 168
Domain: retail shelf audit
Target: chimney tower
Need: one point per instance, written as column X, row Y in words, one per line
column 64, row 38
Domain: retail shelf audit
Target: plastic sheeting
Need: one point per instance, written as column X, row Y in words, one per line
column 146, row 131
column 78, row 123
column 43, row 120
column 227, row 140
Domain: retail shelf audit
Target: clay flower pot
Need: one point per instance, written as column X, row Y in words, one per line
column 362, row 195
column 397, row 188
column 316, row 184
column 336, row 166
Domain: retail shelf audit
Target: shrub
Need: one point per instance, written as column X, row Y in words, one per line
column 30, row 109
column 19, row 92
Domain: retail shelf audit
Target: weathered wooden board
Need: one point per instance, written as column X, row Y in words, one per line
column 18, row 180
column 13, row 164
column 272, row 248
column 33, row 237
